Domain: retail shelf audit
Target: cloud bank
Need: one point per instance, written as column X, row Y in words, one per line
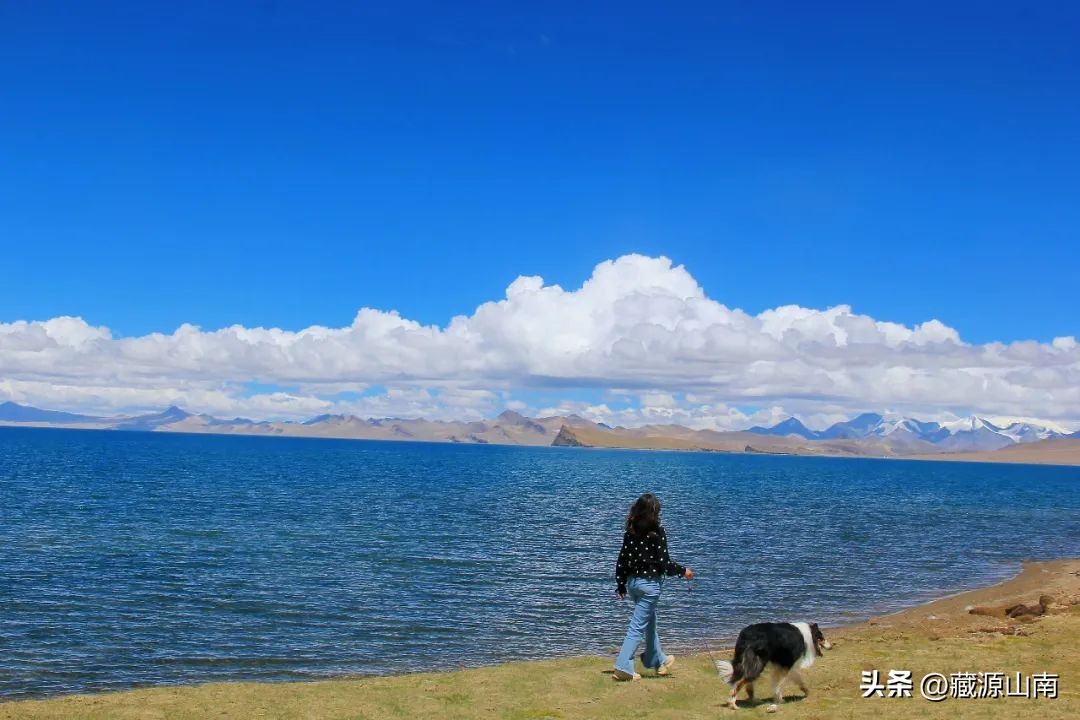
column 641, row 331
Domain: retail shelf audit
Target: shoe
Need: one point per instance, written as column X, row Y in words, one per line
column 623, row 676
column 665, row 668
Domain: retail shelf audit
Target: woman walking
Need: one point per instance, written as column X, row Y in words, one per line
column 640, row 571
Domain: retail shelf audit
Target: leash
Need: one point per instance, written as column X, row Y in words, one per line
column 723, row 668
column 708, row 650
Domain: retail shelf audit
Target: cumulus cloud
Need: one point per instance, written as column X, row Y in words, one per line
column 638, row 324
column 690, row 412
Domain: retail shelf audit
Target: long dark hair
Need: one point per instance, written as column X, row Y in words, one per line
column 644, row 516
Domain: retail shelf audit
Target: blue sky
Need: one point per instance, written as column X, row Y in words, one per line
column 283, row 164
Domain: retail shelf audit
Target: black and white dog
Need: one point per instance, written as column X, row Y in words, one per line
column 786, row 647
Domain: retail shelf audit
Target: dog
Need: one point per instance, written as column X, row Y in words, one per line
column 786, row 647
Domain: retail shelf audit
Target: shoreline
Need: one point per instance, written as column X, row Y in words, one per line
column 1030, row 577
column 941, row 621
column 1046, row 576
column 998, row 457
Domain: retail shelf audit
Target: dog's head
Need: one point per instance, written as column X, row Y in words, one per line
column 820, row 643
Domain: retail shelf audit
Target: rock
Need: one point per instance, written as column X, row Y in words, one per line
column 567, row 438
column 1058, row 604
column 1021, row 610
column 983, row 610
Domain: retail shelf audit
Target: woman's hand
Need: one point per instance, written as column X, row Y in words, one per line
column 621, row 596
column 689, row 574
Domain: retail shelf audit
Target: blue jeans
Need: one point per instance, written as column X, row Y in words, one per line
column 645, row 594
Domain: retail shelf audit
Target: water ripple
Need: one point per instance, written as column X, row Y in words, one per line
column 131, row 559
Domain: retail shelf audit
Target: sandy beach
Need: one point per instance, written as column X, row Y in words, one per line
column 942, row 636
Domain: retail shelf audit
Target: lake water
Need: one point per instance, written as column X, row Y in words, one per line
column 129, row 559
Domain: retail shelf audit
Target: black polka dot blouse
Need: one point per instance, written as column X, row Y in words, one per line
column 645, row 556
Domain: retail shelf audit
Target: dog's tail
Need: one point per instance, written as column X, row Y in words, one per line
column 726, row 670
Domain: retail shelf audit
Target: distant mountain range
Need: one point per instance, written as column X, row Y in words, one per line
column 972, row 434
column 509, row 428
column 13, row 412
column 869, row 434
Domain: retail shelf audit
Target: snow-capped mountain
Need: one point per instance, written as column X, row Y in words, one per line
column 1025, row 432
column 972, row 434
column 985, row 434
column 966, row 434
column 908, row 428
column 1030, row 429
column 968, row 424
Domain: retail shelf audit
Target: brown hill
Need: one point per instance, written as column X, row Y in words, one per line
column 512, row 428
column 678, row 437
column 1062, row 451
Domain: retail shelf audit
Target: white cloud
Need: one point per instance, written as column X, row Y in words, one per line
column 638, row 324
column 118, row 400
column 697, row 413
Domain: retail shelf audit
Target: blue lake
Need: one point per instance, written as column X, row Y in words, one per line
column 129, row 559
